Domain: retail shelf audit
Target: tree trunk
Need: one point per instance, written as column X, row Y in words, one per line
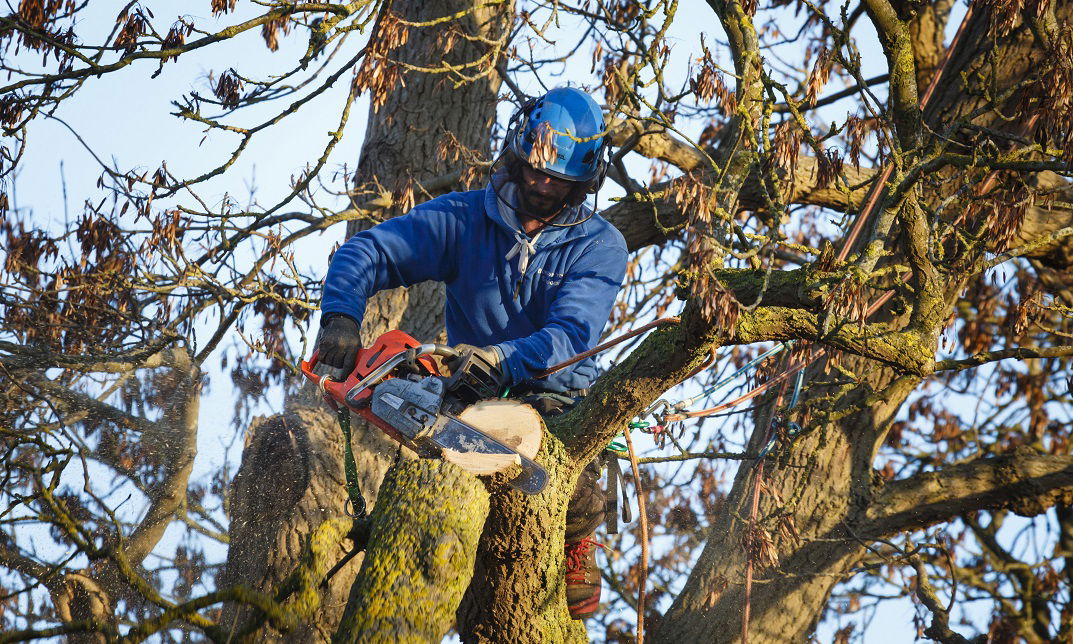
column 302, row 446
column 824, row 481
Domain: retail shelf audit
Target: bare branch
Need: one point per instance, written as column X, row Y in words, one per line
column 1019, row 353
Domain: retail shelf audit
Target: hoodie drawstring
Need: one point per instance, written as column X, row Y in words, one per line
column 524, row 248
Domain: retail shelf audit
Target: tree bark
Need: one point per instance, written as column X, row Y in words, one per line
column 518, row 594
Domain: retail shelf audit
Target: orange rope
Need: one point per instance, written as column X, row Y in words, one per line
column 748, row 558
column 606, row 345
column 643, row 525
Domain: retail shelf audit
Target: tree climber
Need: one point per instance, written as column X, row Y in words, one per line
column 531, row 275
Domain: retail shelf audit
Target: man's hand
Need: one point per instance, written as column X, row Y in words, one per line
column 476, row 373
column 339, row 343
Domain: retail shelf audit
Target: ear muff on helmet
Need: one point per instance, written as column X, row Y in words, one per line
column 517, row 122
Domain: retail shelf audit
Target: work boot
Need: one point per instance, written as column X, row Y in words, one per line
column 583, row 580
column 583, row 515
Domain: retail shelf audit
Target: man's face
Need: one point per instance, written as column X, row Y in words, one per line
column 542, row 195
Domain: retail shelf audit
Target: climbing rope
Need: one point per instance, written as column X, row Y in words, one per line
column 606, row 345
column 643, row 529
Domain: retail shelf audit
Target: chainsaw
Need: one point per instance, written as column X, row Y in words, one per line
column 397, row 386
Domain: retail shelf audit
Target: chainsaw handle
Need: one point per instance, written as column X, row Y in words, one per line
column 384, row 369
column 312, row 366
column 445, row 351
column 316, row 371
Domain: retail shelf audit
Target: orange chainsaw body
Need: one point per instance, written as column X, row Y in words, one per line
column 382, row 349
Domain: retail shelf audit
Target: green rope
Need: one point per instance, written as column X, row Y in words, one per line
column 350, row 467
column 619, row 446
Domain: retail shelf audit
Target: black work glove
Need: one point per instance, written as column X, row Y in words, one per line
column 339, row 343
column 476, row 373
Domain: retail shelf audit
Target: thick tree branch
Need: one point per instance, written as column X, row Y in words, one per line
column 666, row 357
column 906, row 351
column 76, row 401
column 1024, row 482
column 651, row 218
column 12, row 558
column 420, row 556
column 180, row 421
column 655, row 143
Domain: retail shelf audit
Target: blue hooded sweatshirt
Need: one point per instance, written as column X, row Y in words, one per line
column 538, row 306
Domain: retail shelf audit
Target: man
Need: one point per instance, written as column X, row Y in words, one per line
column 531, row 277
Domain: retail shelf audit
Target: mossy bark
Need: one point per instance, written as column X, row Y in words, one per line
column 420, row 557
column 521, row 596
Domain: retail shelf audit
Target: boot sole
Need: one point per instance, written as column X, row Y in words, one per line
column 585, row 609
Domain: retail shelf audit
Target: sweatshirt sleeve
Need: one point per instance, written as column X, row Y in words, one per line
column 403, row 251
column 576, row 317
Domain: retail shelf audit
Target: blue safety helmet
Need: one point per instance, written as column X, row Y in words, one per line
column 577, row 125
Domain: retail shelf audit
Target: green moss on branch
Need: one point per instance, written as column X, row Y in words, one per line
column 428, row 520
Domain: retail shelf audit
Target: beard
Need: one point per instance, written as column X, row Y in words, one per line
column 536, row 206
